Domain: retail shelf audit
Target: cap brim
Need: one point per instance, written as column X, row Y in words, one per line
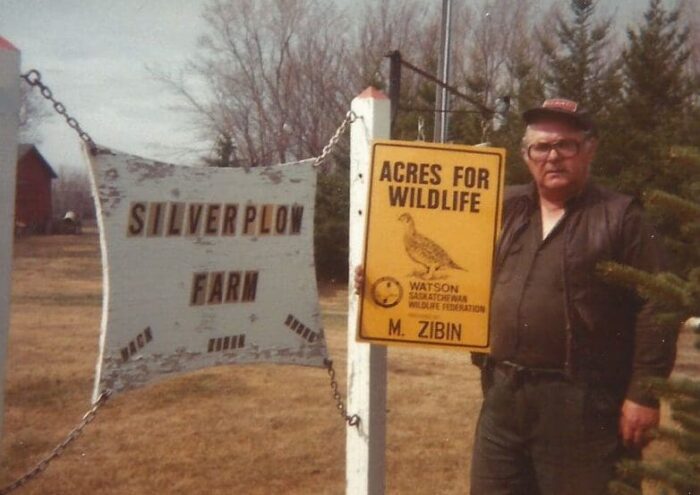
column 580, row 120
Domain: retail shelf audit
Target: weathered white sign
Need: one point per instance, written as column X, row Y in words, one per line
column 203, row 267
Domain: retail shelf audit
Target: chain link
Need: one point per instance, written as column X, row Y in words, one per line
column 350, row 117
column 33, row 78
column 58, row 450
column 351, row 420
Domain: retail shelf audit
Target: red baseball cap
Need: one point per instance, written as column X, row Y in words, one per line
column 561, row 109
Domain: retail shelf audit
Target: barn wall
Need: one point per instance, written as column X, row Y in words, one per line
column 33, row 200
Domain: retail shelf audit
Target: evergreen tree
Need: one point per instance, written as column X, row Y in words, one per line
column 331, row 222
column 527, row 91
column 225, row 153
column 657, row 100
column 580, row 64
column 656, row 87
column 678, row 297
column 577, row 58
column 655, row 110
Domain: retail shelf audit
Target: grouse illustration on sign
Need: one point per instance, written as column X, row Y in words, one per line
column 432, row 220
column 424, row 250
column 203, row 266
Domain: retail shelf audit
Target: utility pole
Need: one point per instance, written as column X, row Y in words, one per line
column 441, row 94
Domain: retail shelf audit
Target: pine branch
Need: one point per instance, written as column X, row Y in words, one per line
column 689, row 421
column 666, row 288
column 680, row 474
column 684, row 404
column 678, row 389
column 685, row 210
column 628, row 472
column 691, row 231
column 685, row 441
column 620, row 488
column 667, row 319
column 676, row 474
column 686, row 158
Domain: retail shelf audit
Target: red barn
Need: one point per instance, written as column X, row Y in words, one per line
column 33, row 195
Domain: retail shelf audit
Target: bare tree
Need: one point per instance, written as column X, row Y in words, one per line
column 498, row 46
column 691, row 13
column 271, row 75
column 275, row 77
column 386, row 25
column 31, row 114
column 72, row 192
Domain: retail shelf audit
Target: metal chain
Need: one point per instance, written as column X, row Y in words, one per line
column 351, row 420
column 75, row 433
column 33, row 78
column 350, row 117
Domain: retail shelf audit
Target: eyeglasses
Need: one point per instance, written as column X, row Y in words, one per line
column 566, row 148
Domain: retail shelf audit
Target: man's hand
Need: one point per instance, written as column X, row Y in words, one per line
column 635, row 422
column 359, row 279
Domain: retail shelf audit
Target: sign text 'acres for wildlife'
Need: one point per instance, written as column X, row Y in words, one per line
column 433, row 217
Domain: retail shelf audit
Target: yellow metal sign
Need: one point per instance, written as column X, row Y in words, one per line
column 433, row 215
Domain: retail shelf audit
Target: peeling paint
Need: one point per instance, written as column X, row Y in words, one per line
column 109, row 197
column 151, row 275
column 103, row 151
column 150, row 368
column 147, row 170
column 111, row 174
column 275, row 175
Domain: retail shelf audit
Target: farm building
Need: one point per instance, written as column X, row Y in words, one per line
column 33, row 196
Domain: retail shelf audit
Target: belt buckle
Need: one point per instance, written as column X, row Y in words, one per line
column 514, row 372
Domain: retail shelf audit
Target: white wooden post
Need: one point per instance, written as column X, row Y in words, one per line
column 365, row 445
column 9, row 124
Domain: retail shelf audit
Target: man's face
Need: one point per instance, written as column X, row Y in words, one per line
column 558, row 157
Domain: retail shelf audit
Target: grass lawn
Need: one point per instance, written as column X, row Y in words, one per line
column 254, row 429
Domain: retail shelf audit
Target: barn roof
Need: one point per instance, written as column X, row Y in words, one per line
column 26, row 148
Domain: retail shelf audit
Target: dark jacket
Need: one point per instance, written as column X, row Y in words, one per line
column 612, row 337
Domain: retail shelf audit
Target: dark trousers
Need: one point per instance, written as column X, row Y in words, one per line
column 542, row 434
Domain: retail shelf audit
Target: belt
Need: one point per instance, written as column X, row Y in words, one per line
column 515, row 370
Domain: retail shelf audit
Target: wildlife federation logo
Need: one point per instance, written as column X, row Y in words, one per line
column 433, row 213
column 387, row 292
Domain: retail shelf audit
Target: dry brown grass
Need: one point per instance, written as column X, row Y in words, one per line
column 240, row 429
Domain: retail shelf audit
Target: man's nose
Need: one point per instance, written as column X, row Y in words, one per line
column 554, row 153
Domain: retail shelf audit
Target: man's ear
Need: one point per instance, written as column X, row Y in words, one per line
column 523, row 150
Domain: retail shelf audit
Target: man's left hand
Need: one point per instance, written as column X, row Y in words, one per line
column 635, row 422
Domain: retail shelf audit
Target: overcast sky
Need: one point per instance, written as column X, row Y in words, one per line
column 94, row 55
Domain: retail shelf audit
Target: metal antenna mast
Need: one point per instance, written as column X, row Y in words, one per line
column 441, row 95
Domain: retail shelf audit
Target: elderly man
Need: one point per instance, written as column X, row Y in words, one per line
column 564, row 395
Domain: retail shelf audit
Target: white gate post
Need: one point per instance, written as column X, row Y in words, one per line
column 365, row 445
column 9, row 125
